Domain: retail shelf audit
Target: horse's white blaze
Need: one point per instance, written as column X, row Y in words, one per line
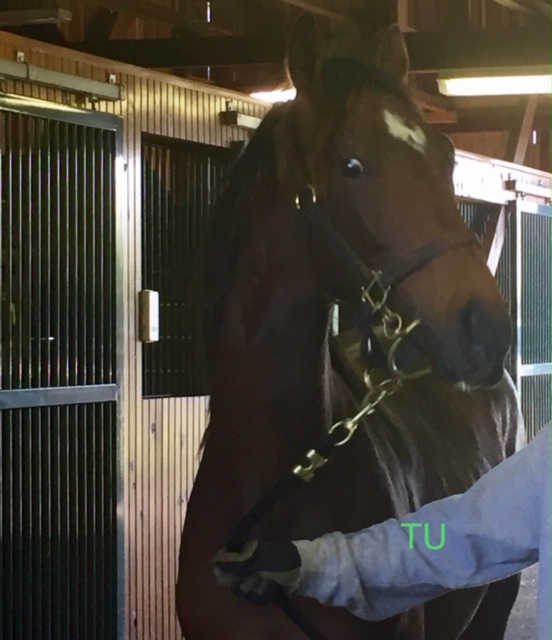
column 399, row 128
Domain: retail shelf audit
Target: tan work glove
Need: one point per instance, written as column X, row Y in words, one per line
column 260, row 570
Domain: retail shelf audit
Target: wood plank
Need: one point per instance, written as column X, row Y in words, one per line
column 101, row 25
column 430, row 101
column 34, row 16
column 537, row 7
column 336, row 9
column 493, row 241
column 516, row 149
column 429, row 51
column 520, row 134
column 150, row 9
column 192, row 51
column 441, row 117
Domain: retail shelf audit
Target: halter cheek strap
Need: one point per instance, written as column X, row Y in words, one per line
column 363, row 275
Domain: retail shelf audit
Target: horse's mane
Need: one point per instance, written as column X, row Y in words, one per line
column 230, row 220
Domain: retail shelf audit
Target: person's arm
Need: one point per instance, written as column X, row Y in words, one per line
column 492, row 531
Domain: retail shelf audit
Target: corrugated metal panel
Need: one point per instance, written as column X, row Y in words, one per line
column 535, row 403
column 475, row 215
column 57, row 239
column 58, row 553
column 536, row 285
column 58, row 477
column 179, row 182
column 506, row 279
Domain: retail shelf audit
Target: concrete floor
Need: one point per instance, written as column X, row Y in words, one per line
column 521, row 625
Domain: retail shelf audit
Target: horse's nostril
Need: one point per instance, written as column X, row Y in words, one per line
column 473, row 323
column 485, row 336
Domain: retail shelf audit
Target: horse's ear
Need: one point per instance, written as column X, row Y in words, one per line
column 302, row 53
column 392, row 53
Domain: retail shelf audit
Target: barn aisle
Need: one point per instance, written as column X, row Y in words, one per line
column 522, row 620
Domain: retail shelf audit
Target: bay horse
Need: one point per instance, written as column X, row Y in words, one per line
column 383, row 178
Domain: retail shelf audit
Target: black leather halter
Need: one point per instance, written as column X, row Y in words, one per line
column 363, row 275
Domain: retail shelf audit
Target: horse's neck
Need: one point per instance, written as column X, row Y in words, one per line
column 272, row 374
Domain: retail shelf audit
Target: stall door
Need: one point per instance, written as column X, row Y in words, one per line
column 59, row 374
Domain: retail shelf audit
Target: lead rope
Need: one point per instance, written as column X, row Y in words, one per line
column 374, row 294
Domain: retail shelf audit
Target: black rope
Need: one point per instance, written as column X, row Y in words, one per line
column 297, row 617
column 326, row 446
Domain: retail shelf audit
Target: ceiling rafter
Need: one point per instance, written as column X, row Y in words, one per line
column 335, row 9
column 537, row 7
column 152, row 10
column 429, row 51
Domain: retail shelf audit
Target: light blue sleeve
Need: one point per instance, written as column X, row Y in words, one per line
column 492, row 531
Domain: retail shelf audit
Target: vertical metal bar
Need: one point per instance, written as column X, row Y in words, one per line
column 54, row 188
column 18, row 291
column 47, row 521
column 65, row 238
column 81, row 214
column 99, row 234
column 519, row 291
column 91, row 222
column 37, row 496
column 85, row 540
column 163, row 260
column 38, row 306
column 27, row 248
column 58, row 567
column 46, row 261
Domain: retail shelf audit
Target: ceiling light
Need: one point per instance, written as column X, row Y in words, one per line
column 281, row 95
column 531, row 81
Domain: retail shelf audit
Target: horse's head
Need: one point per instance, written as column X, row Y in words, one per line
column 383, row 177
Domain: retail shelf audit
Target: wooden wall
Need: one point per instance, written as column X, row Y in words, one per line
column 160, row 437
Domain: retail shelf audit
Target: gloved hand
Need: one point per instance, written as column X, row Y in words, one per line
column 259, row 570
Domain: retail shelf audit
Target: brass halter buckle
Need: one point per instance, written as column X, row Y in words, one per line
column 375, row 292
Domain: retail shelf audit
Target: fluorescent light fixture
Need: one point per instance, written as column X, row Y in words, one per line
column 493, row 82
column 281, row 95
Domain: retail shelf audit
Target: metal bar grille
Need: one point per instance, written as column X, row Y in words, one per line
column 58, row 369
column 180, row 182
column 58, row 549
column 57, row 246
column 536, row 286
column 475, row 215
column 535, row 403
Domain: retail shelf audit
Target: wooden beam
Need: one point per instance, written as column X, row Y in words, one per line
column 336, row 9
column 34, row 16
column 402, row 16
column 516, row 148
column 192, row 51
column 429, row 101
column 467, row 49
column 495, row 235
column 152, row 10
column 520, row 134
column 100, row 26
column 441, row 117
column 429, row 51
column 536, row 7
column 494, row 119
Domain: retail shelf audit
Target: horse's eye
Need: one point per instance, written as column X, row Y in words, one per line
column 353, row 168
